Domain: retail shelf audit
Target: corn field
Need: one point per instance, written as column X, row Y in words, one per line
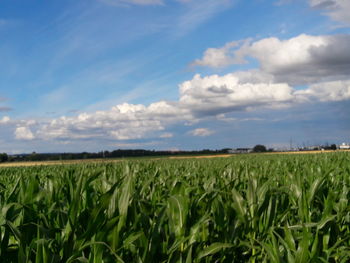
column 253, row 208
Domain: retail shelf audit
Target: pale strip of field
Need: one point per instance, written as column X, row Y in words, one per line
column 268, row 153
column 309, row 152
column 45, row 163
column 201, row 156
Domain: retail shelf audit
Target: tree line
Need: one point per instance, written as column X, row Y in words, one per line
column 102, row 154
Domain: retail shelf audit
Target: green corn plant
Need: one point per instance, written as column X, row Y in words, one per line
column 253, row 208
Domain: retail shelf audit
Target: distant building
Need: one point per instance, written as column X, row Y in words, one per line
column 344, row 146
column 241, row 150
column 311, row 148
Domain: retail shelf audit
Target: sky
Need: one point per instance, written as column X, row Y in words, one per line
column 92, row 75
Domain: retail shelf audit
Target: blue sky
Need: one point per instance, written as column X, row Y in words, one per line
column 173, row 74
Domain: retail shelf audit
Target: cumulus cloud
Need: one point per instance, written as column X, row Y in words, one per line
column 303, row 59
column 337, row 10
column 122, row 122
column 5, row 120
column 300, row 60
column 221, row 57
column 328, row 91
column 202, row 132
column 24, row 133
column 212, row 95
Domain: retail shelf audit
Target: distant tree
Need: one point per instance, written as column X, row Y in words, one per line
column 259, row 148
column 32, row 157
column 333, row 147
column 3, row 157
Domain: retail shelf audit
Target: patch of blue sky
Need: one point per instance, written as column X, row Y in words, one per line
column 63, row 57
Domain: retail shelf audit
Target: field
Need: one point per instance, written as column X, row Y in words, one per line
column 250, row 208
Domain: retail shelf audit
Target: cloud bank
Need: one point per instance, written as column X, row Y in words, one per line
column 300, row 60
column 200, row 98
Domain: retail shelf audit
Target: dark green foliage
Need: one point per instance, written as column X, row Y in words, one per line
column 252, row 208
column 3, row 157
column 259, row 148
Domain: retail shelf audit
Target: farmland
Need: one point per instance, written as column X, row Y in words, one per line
column 251, row 208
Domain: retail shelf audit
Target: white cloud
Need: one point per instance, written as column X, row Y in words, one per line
column 212, row 95
column 303, row 59
column 122, row 122
column 300, row 60
column 221, row 57
column 5, row 120
column 166, row 135
column 328, row 91
column 337, row 10
column 24, row 133
column 202, row 132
